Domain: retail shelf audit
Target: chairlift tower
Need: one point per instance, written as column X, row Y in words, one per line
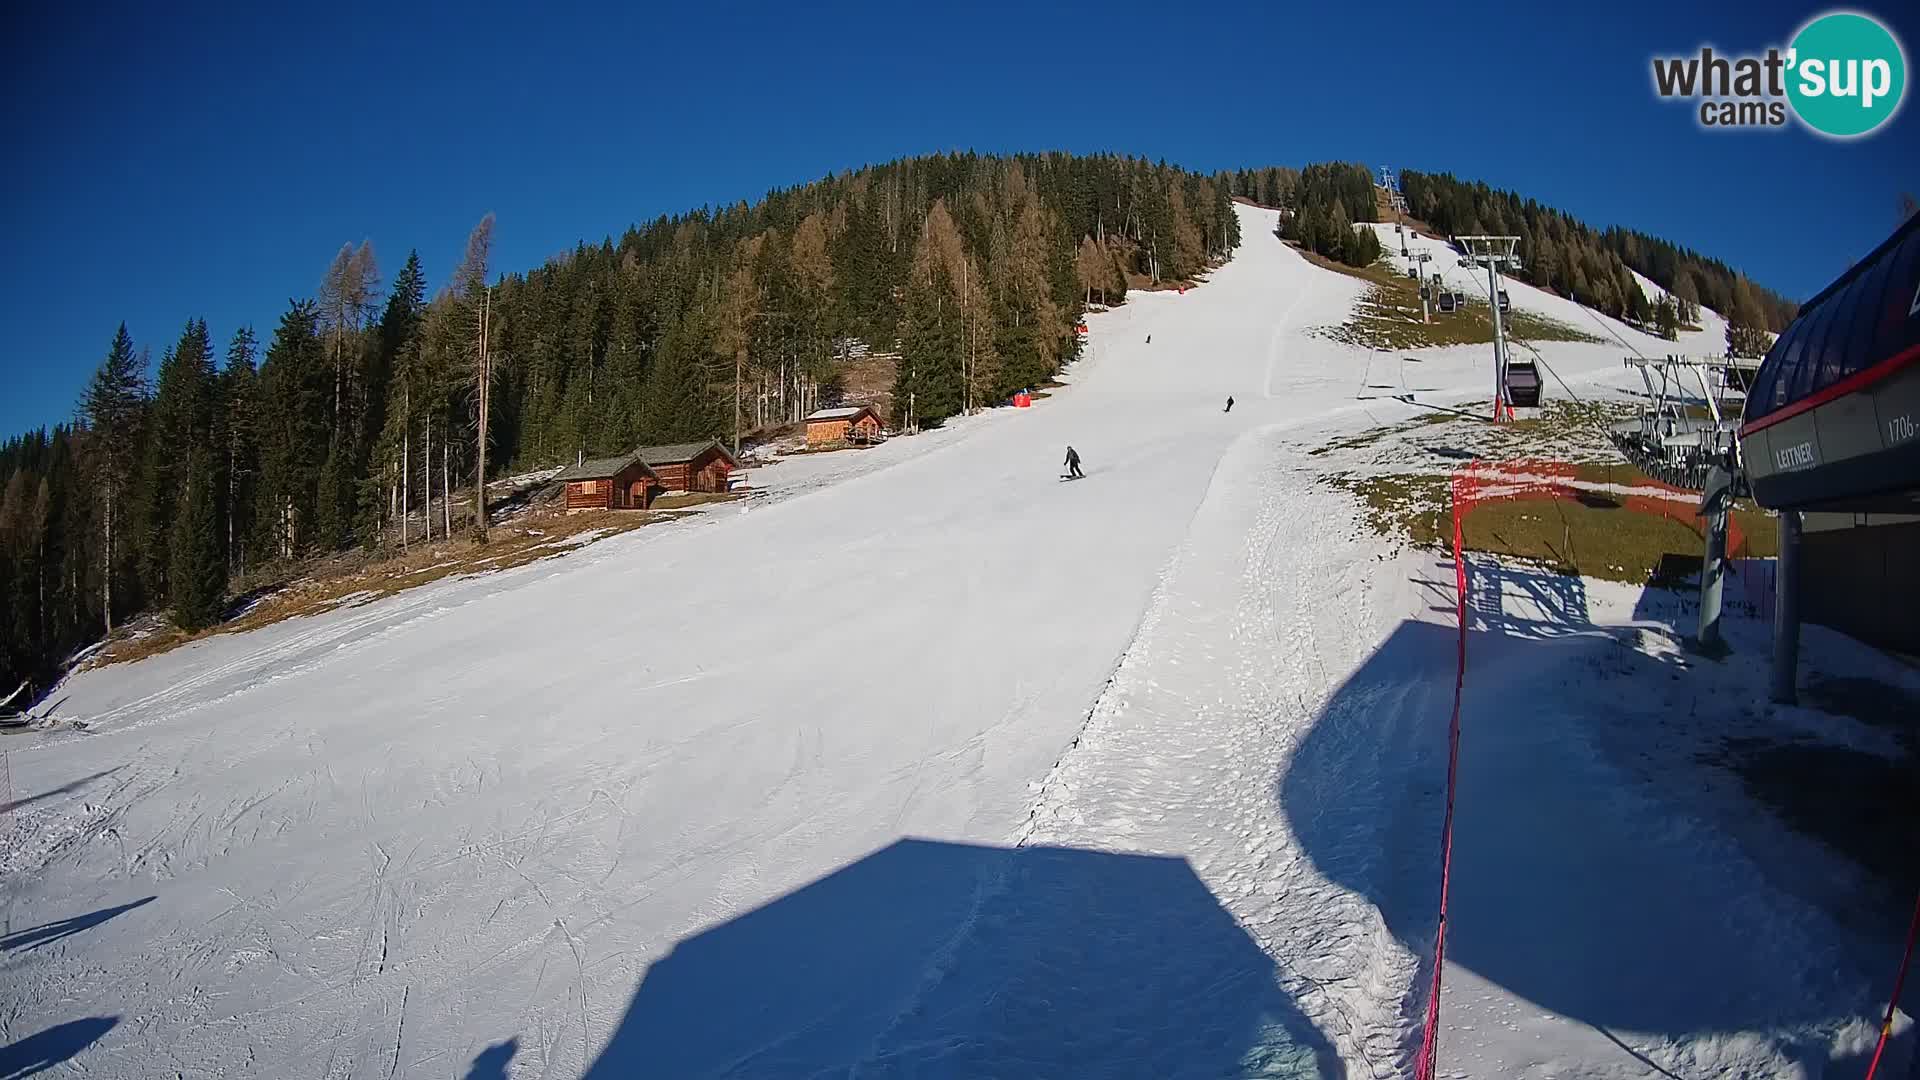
column 1495, row 251
column 1397, row 202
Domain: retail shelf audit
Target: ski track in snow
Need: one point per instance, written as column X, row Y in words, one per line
column 641, row 810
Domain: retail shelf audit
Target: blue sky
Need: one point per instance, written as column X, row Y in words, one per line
column 165, row 164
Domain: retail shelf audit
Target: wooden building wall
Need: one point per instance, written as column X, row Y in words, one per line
column 710, row 471
column 631, row 489
column 827, row 432
column 589, row 494
column 706, row 472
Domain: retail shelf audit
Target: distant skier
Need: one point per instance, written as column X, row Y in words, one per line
column 1149, row 339
column 1073, row 464
column 1229, row 402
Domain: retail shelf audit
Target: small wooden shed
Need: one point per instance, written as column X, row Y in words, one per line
column 697, row 466
column 854, row 423
column 615, row 483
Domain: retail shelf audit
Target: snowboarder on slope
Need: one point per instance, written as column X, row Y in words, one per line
column 1229, row 402
column 1073, row 464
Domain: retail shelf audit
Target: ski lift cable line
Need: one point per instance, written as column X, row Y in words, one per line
column 1514, row 336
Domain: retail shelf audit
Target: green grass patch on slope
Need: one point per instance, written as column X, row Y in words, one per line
column 1595, row 534
column 1387, row 317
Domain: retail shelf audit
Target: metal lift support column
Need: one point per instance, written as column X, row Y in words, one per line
column 1714, row 506
column 1786, row 611
column 1496, row 250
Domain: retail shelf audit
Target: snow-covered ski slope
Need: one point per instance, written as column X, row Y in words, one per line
column 924, row 764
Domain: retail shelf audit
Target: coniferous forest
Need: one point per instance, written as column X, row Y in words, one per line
column 1558, row 252
column 1588, row 264
column 231, row 456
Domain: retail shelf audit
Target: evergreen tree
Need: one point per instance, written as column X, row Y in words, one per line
column 295, row 386
column 1567, row 249
column 928, row 387
column 237, row 394
column 331, row 501
column 199, row 565
column 473, row 301
column 1638, row 312
column 113, row 408
column 181, row 423
column 1666, row 318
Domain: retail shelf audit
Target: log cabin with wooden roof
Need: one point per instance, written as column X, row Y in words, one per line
column 695, row 466
column 616, row 483
column 852, row 424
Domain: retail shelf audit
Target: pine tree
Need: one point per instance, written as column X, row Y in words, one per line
column 113, row 408
column 181, row 422
column 199, row 567
column 1637, row 310
column 295, row 384
column 1666, row 318
column 680, row 403
column 330, row 508
column 238, row 397
column 474, row 301
column 928, row 387
column 405, row 396
column 629, row 349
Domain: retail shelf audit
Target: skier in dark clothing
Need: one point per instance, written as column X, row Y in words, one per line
column 1229, row 402
column 1073, row 464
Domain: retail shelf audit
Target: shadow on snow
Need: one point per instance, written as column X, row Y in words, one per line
column 42, row 1051
column 1556, row 896
column 491, row 1063
column 939, row 959
column 47, row 933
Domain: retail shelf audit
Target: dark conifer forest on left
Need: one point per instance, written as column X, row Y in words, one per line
column 242, row 451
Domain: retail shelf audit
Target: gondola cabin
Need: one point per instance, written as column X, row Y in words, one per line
column 1448, row 303
column 1523, row 384
column 615, row 483
column 697, row 466
column 857, row 424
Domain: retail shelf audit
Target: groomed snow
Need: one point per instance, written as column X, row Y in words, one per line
column 923, row 763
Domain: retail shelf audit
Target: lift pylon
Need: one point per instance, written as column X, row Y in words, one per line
column 1494, row 251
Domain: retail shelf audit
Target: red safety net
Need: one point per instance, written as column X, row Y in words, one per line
column 1482, row 482
column 1476, row 483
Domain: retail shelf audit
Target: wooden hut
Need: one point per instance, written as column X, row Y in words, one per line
column 615, row 483
column 697, row 466
column 855, row 424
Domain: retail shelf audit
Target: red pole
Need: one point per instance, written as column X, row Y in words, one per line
column 1430, row 1036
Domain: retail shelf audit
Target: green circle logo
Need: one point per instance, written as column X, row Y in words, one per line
column 1846, row 74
